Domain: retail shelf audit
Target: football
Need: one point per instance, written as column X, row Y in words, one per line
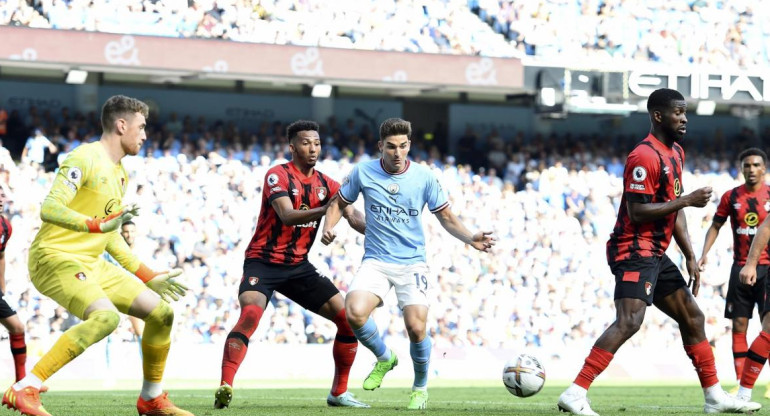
column 524, row 376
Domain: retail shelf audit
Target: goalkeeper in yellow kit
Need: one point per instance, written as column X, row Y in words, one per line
column 81, row 218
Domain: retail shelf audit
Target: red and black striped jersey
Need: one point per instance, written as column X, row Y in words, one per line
column 274, row 242
column 653, row 174
column 5, row 232
column 746, row 211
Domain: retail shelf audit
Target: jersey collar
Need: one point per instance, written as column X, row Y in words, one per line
column 406, row 166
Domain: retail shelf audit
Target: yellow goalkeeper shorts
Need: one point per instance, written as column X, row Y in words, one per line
column 75, row 284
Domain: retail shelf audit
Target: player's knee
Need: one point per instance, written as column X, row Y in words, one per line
column 162, row 315
column 105, row 321
column 16, row 327
column 629, row 327
column 415, row 328
column 355, row 316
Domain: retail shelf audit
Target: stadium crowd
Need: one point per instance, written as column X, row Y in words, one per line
column 614, row 30
column 552, row 208
column 670, row 32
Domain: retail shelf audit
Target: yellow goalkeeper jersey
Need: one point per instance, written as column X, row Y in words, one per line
column 88, row 185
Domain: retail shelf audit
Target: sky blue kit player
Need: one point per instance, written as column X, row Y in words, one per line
column 395, row 193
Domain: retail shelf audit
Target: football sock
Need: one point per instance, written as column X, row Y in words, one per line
column 420, row 352
column 237, row 342
column 703, row 360
column 344, row 353
column 19, row 351
column 75, row 340
column 755, row 359
column 151, row 390
column 369, row 336
column 596, row 362
column 744, row 392
column 30, row 380
column 155, row 344
column 740, row 350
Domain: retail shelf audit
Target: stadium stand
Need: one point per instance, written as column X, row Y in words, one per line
column 549, row 210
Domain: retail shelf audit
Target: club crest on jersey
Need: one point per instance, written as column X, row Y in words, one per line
column 647, row 288
column 272, row 179
column 253, row 280
column 80, row 276
column 320, row 192
column 393, row 188
column 639, row 173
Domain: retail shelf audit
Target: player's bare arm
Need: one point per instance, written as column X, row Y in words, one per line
column 641, row 212
column 482, row 240
column 2, row 271
column 711, row 237
column 355, row 218
column 290, row 216
column 748, row 274
column 334, row 210
column 682, row 238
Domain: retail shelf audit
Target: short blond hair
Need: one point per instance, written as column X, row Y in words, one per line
column 120, row 106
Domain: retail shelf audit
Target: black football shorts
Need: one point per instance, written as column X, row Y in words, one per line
column 302, row 282
column 647, row 278
column 741, row 298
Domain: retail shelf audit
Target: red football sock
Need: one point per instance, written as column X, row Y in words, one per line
column 344, row 352
column 703, row 360
column 237, row 342
column 755, row 360
column 740, row 350
column 19, row 351
column 596, row 362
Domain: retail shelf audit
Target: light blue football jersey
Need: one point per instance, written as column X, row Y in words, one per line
column 393, row 209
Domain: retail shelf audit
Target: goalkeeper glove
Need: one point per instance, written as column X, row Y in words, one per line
column 166, row 285
column 113, row 221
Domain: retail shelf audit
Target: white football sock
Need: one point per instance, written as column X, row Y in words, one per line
column 151, row 390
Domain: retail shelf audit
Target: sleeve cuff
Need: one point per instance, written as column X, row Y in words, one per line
column 144, row 273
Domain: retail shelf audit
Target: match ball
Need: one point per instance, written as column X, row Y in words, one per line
column 524, row 376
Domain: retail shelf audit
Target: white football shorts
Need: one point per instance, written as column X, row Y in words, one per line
column 413, row 282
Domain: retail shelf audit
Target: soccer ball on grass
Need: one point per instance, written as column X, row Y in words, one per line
column 524, row 376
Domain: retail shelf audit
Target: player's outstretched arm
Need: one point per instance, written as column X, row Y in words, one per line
column 335, row 207
column 290, row 216
column 482, row 240
column 166, row 283
column 121, row 252
column 711, row 236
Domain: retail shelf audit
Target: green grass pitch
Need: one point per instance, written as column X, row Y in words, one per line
column 477, row 401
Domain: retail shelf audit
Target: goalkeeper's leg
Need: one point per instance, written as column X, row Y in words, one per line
column 100, row 322
column 158, row 319
column 134, row 298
